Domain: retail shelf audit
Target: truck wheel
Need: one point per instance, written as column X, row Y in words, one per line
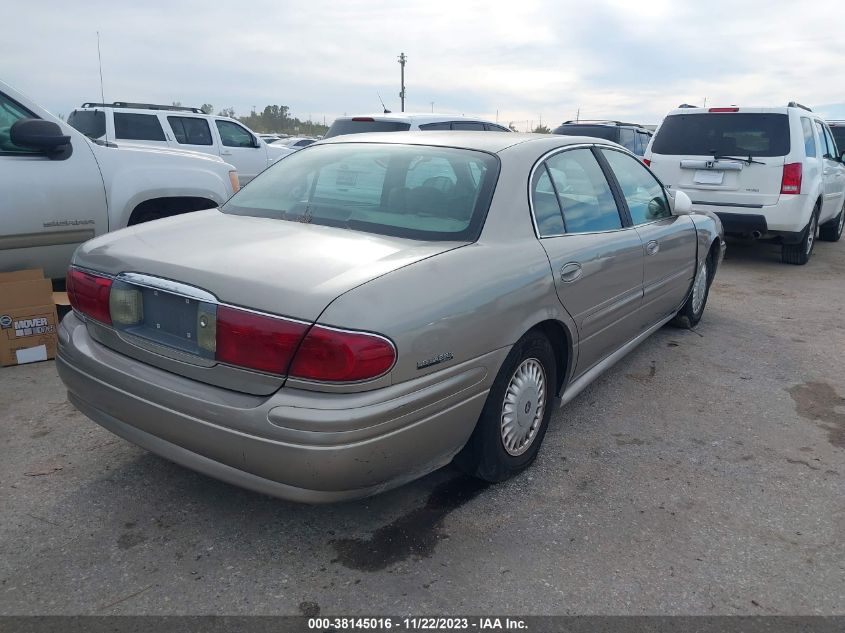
column 799, row 254
column 516, row 414
column 831, row 231
column 689, row 315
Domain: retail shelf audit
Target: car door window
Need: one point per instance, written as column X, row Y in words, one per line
column 547, row 213
column 831, row 144
column 643, row 194
column 583, row 192
column 233, row 135
column 809, row 139
column 137, row 127
column 627, row 139
column 11, row 113
column 644, row 139
column 825, row 151
column 472, row 126
column 190, row 130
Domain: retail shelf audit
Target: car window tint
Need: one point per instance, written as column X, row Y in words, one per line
column 725, row 134
column 417, row 192
column 442, row 125
column 809, row 139
column 644, row 139
column 491, row 127
column 471, row 126
column 190, row 130
column 546, row 208
column 831, row 144
column 10, row 113
column 628, row 139
column 233, row 135
column 137, row 127
column 824, row 150
column 583, row 192
column 92, row 123
column 644, row 195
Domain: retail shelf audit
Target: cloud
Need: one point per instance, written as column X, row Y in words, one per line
column 526, row 60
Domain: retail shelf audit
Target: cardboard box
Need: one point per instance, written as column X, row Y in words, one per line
column 28, row 318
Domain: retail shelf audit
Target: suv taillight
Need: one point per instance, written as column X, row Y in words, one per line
column 791, row 181
column 89, row 294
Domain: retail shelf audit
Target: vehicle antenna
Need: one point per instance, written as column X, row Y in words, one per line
column 386, row 111
column 102, row 93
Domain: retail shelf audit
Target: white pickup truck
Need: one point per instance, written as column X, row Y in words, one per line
column 59, row 189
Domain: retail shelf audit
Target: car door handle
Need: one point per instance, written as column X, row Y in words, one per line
column 571, row 272
column 652, row 247
column 225, row 152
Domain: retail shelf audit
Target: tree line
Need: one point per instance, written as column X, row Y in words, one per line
column 273, row 118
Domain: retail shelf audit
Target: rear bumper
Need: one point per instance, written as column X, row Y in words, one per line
column 298, row 445
column 785, row 219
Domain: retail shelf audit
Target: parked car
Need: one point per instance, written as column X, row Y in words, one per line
column 632, row 136
column 270, row 138
column 770, row 173
column 403, row 121
column 377, row 305
column 178, row 127
column 296, row 142
column 59, row 189
column 837, row 129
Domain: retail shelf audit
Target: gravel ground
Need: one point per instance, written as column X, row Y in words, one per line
column 701, row 475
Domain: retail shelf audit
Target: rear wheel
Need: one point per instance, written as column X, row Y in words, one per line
column 516, row 414
column 799, row 254
column 832, row 231
column 692, row 311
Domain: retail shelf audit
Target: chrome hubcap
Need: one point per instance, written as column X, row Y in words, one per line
column 699, row 287
column 523, row 407
column 811, row 234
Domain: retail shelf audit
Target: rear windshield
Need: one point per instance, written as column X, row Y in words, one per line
column 92, row 123
column 839, row 136
column 596, row 131
column 417, row 192
column 350, row 126
column 723, row 134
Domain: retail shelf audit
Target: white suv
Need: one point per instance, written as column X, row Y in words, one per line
column 766, row 172
column 404, row 121
column 178, row 127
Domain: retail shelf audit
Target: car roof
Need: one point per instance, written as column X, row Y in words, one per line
column 491, row 142
column 743, row 110
column 416, row 117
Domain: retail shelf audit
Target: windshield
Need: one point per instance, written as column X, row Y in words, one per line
column 417, row 192
column 365, row 124
column 92, row 123
column 596, row 131
column 732, row 134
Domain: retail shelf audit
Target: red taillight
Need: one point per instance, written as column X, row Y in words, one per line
column 791, row 181
column 723, row 110
column 365, row 119
column 338, row 356
column 256, row 341
column 647, row 162
column 89, row 294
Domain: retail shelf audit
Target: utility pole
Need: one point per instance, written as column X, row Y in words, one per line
column 402, row 60
column 432, row 107
column 578, row 115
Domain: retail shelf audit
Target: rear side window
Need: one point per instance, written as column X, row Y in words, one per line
column 416, row 192
column 441, row 125
column 628, row 140
column 492, row 127
column 809, row 139
column 353, row 126
column 92, row 123
column 137, row 127
column 583, row 192
column 471, row 126
column 644, row 195
column 825, row 150
column 606, row 132
column 190, row 130
column 546, row 208
column 831, row 144
column 723, row 134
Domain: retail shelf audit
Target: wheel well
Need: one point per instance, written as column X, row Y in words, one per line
column 165, row 207
column 561, row 340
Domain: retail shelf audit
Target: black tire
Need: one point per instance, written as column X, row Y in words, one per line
column 799, row 254
column 692, row 311
column 485, row 455
column 831, row 231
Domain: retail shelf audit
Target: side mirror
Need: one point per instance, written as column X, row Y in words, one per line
column 40, row 135
column 681, row 205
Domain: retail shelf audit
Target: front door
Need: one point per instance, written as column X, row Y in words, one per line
column 596, row 260
column 240, row 148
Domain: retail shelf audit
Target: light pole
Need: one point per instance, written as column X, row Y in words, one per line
column 402, row 60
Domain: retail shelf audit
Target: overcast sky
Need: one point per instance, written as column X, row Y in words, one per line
column 528, row 60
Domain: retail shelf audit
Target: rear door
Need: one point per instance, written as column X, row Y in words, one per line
column 240, row 148
column 669, row 241
column 193, row 133
column 133, row 127
column 596, row 258
column 47, row 207
column 707, row 154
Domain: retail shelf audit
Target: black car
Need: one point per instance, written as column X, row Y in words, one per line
column 630, row 135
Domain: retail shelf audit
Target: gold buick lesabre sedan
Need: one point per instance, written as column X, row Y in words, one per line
column 375, row 306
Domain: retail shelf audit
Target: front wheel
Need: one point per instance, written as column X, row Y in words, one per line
column 692, row 311
column 799, row 254
column 516, row 414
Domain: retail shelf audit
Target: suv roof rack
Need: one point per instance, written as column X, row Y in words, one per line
column 795, row 104
column 608, row 121
column 141, row 106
